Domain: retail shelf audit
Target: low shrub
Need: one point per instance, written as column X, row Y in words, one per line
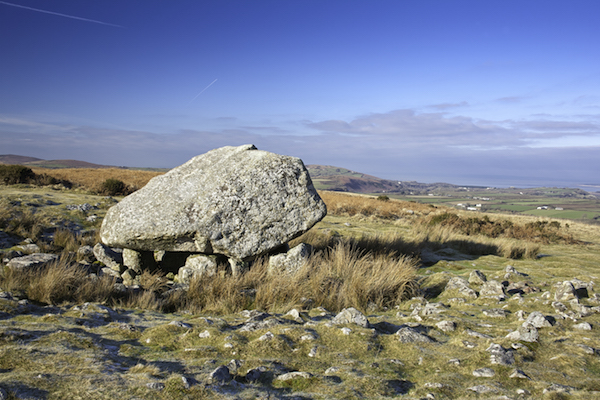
column 537, row 231
column 113, row 187
column 14, row 174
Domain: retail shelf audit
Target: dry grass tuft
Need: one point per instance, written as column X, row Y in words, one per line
column 59, row 282
column 338, row 277
column 539, row 231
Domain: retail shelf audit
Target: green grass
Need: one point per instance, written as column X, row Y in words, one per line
column 78, row 350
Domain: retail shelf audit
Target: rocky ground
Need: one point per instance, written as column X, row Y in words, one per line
column 484, row 327
column 505, row 336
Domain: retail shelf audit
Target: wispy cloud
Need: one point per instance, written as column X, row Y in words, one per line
column 512, row 99
column 407, row 127
column 401, row 144
column 59, row 14
column 448, row 106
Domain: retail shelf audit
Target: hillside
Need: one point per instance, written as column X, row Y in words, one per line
column 326, row 177
column 14, row 159
column 480, row 316
column 53, row 164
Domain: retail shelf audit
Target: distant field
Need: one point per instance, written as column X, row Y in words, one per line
column 574, row 204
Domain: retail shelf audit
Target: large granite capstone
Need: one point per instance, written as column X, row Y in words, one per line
column 236, row 201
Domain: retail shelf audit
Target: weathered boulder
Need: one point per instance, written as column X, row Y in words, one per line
column 290, row 262
column 459, row 286
column 111, row 257
column 139, row 260
column 407, row 334
column 236, row 201
column 35, row 260
column 351, row 316
column 492, row 289
column 197, row 265
column 477, row 277
column 85, row 254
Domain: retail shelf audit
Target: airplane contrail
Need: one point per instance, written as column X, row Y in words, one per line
column 59, row 14
column 209, row 85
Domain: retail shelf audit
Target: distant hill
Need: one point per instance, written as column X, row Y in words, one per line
column 326, row 177
column 14, row 159
column 55, row 164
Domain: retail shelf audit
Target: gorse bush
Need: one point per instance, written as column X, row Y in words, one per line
column 114, row 187
column 14, row 174
column 537, row 231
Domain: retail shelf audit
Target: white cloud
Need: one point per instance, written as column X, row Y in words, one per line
column 401, row 144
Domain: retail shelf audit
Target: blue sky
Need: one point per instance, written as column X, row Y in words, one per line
column 467, row 92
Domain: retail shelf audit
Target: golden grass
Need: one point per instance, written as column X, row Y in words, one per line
column 58, row 283
column 335, row 278
column 91, row 178
column 348, row 204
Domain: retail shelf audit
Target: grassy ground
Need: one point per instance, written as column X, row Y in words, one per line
column 65, row 340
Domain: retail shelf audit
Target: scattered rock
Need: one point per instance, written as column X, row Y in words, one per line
column 351, row 316
column 36, row 260
column 156, row 385
column 482, row 389
column 180, row 324
column 446, row 326
column 85, row 207
column 139, row 260
column 493, row 289
column 518, row 374
column 528, row 333
column 266, row 336
column 539, row 320
column 294, row 375
column 499, row 355
column 408, row 334
column 461, row 287
column 221, row 375
column 295, row 315
column 495, row 313
column 477, row 334
column 555, row 387
column 197, row 265
column 85, row 254
column 111, row 257
column 29, row 248
column 289, row 263
column 564, row 291
column 477, row 277
column 484, row 372
column 584, row 326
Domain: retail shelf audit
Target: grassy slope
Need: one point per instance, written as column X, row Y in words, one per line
column 66, row 351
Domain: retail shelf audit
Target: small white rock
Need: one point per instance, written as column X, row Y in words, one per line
column 204, row 334
column 266, row 336
column 584, row 326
